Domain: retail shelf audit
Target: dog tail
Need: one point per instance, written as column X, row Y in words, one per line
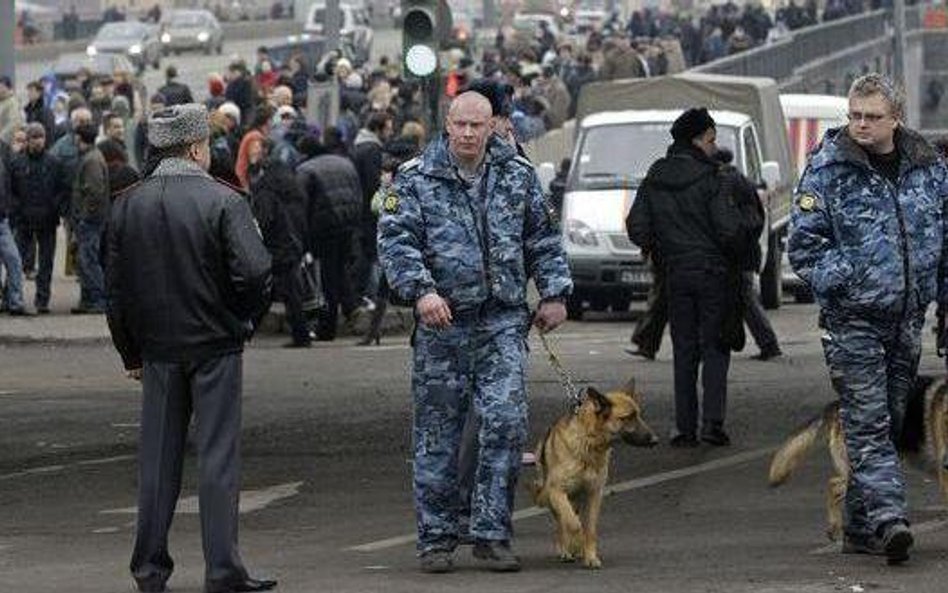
column 789, row 456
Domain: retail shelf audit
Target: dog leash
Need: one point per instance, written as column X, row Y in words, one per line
column 566, row 380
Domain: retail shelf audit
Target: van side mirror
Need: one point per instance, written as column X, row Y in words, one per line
column 546, row 172
column 770, row 173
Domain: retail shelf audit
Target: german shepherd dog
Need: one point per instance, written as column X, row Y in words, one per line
column 925, row 423
column 573, row 465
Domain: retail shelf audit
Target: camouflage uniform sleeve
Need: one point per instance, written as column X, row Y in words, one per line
column 401, row 242
column 544, row 255
column 943, row 267
column 813, row 248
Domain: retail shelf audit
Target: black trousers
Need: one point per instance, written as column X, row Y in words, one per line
column 756, row 318
column 651, row 326
column 172, row 392
column 334, row 255
column 697, row 298
column 27, row 240
column 289, row 283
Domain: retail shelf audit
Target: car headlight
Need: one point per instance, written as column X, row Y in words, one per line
column 135, row 49
column 166, row 37
column 580, row 233
column 203, row 36
column 91, row 50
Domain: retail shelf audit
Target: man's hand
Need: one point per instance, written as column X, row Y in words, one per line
column 434, row 311
column 134, row 374
column 550, row 315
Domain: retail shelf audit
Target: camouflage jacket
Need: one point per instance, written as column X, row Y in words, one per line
column 866, row 247
column 432, row 237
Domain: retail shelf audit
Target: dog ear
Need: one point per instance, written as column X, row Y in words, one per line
column 629, row 386
column 600, row 401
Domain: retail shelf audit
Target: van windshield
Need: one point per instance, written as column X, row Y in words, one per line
column 618, row 156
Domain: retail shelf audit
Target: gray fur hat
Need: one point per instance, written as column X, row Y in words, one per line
column 178, row 125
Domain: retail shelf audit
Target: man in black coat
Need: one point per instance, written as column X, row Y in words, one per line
column 36, row 110
column 39, row 198
column 174, row 92
column 673, row 215
column 188, row 277
column 331, row 186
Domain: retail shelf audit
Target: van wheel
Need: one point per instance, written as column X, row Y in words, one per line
column 574, row 308
column 771, row 279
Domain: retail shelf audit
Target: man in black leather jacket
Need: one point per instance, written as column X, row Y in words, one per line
column 188, row 275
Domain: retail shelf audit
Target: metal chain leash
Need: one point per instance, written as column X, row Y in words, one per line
column 566, row 380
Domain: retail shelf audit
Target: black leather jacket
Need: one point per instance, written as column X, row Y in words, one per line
column 188, row 273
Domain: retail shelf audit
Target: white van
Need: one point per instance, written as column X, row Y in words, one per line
column 808, row 117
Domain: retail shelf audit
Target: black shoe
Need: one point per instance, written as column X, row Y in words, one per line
column 896, row 541
column 156, row 585
column 862, row 544
column 437, row 562
column 42, row 310
column 244, row 586
column 20, row 313
column 646, row 354
column 715, row 437
column 496, row 556
column 684, row 441
column 767, row 354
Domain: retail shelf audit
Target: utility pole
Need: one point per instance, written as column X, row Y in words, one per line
column 7, row 29
column 332, row 24
column 898, row 67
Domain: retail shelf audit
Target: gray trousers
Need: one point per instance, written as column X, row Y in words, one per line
column 211, row 390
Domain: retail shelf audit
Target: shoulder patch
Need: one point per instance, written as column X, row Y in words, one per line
column 807, row 202
column 390, row 204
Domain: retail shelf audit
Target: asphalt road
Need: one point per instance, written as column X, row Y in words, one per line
column 194, row 67
column 326, row 479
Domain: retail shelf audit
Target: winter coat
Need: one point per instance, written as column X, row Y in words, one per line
column 331, row 187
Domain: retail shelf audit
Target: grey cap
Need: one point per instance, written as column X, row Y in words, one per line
column 178, row 125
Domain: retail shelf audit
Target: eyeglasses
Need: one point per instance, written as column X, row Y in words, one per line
column 869, row 118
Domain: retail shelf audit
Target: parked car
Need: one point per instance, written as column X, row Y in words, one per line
column 138, row 41
column 354, row 30
column 191, row 29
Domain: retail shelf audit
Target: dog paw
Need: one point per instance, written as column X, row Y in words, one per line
column 592, row 563
column 833, row 533
column 566, row 557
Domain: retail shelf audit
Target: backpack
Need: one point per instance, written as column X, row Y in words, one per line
column 739, row 219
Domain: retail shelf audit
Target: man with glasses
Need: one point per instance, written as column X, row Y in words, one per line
column 868, row 237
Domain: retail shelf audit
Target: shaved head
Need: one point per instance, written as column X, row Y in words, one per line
column 469, row 127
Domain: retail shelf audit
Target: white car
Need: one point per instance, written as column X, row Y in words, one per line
column 355, row 28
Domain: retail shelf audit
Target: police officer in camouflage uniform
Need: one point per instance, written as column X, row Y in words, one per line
column 465, row 228
column 868, row 237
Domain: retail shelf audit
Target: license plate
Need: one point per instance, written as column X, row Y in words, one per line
column 632, row 277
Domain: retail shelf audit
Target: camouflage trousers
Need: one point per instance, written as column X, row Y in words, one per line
column 481, row 361
column 872, row 366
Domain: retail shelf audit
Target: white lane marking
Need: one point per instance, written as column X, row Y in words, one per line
column 7, row 392
column 126, row 425
column 917, row 528
column 102, row 530
column 635, row 484
column 52, row 469
column 250, row 500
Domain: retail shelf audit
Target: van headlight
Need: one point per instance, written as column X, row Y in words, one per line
column 135, row 49
column 203, row 36
column 166, row 37
column 91, row 50
column 580, row 233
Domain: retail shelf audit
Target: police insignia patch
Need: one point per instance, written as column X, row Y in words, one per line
column 807, row 202
column 391, row 203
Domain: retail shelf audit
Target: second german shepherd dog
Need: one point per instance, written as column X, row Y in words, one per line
column 926, row 423
column 573, row 465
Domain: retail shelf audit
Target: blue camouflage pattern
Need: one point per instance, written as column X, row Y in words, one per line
column 430, row 234
column 479, row 360
column 873, row 253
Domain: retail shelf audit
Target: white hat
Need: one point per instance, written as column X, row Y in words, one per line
column 230, row 108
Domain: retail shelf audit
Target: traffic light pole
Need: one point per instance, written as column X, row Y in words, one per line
column 7, row 29
column 333, row 18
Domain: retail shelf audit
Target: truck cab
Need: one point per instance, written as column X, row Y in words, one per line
column 613, row 152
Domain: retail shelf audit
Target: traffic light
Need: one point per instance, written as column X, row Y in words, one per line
column 426, row 24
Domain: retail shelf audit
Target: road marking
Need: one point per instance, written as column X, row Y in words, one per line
column 53, row 469
column 7, row 392
column 126, row 425
column 103, row 530
column 250, row 500
column 917, row 528
column 626, row 486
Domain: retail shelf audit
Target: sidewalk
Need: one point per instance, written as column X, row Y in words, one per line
column 60, row 326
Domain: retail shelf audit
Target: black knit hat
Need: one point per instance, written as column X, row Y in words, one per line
column 690, row 124
column 498, row 93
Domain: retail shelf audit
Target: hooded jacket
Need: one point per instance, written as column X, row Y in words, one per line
column 866, row 247
column 672, row 213
column 433, row 238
